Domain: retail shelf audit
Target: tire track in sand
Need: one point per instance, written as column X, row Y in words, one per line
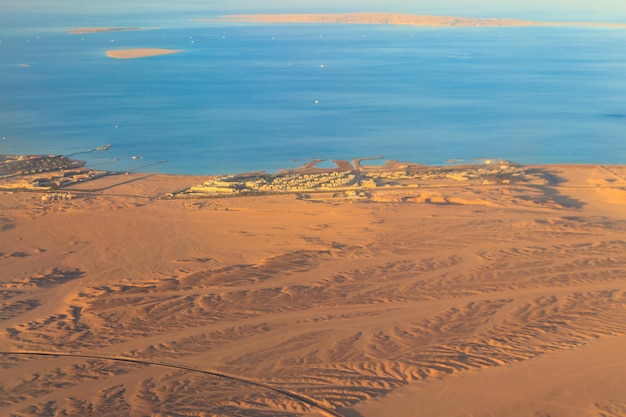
column 324, row 409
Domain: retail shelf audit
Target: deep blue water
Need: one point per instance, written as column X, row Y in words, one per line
column 251, row 97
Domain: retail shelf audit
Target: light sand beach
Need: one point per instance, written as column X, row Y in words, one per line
column 447, row 299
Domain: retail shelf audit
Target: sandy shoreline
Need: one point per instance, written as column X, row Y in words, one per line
column 140, row 52
column 450, row 298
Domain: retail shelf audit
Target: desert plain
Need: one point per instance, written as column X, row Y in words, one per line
column 451, row 298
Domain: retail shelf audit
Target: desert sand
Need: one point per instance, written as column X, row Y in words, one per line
column 447, row 299
column 374, row 18
column 140, row 52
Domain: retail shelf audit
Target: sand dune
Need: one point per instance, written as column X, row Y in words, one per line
column 140, row 52
column 442, row 300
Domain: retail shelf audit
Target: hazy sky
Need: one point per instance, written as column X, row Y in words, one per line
column 382, row 5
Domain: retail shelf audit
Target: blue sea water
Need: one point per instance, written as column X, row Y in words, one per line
column 247, row 97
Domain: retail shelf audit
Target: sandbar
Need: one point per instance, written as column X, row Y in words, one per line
column 78, row 31
column 502, row 294
column 374, row 18
column 140, row 52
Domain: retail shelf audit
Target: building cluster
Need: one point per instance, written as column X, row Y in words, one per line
column 269, row 184
column 57, row 197
column 20, row 165
column 64, row 178
column 496, row 172
column 42, row 172
column 308, row 182
column 50, row 180
column 356, row 181
column 412, row 174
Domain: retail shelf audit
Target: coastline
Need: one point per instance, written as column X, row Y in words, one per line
column 353, row 180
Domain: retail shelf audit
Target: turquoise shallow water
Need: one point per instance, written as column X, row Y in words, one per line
column 251, row 97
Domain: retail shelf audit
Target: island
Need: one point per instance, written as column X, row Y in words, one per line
column 374, row 18
column 140, row 52
column 79, row 31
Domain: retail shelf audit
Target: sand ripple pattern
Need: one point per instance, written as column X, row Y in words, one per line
column 422, row 294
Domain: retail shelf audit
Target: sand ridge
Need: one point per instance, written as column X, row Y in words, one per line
column 361, row 306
